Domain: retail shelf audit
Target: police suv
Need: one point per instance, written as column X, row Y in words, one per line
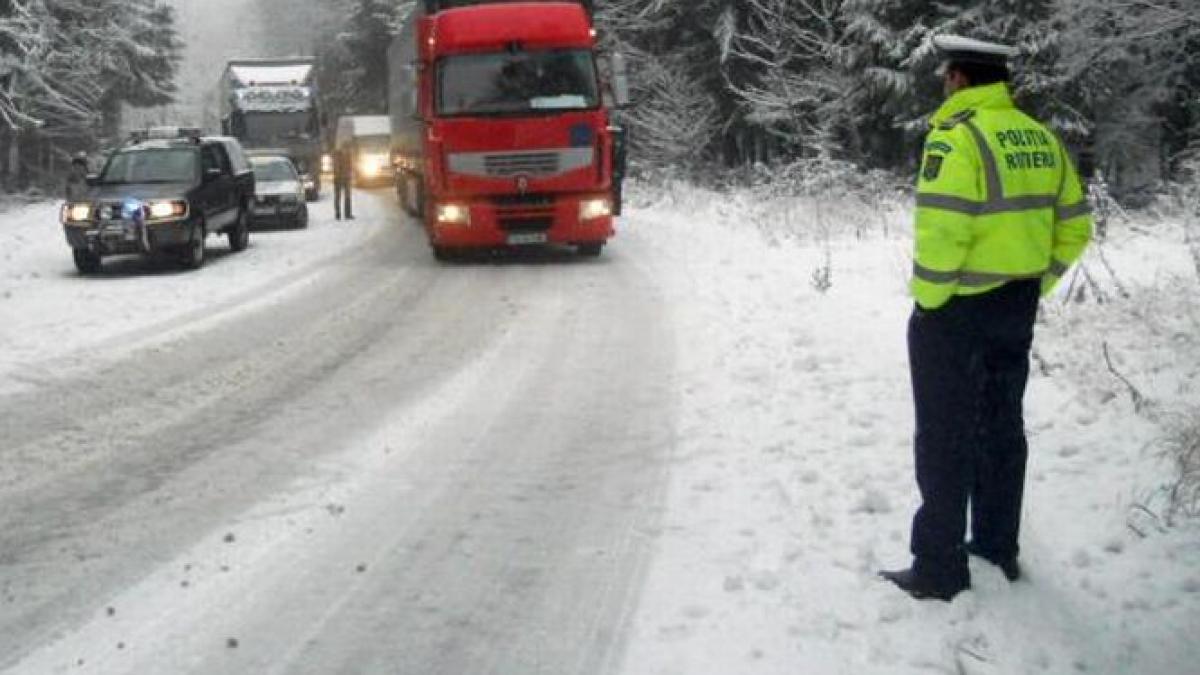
column 164, row 191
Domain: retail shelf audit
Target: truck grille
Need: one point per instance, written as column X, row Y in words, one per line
column 533, row 164
column 540, row 164
column 524, row 213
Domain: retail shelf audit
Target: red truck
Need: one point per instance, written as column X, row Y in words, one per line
column 501, row 132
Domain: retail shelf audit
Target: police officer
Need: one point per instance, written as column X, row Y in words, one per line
column 1000, row 217
column 343, row 180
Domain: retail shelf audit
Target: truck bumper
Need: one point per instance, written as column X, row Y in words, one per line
column 518, row 221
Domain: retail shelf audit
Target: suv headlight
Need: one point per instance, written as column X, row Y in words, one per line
column 77, row 213
column 166, row 209
column 590, row 209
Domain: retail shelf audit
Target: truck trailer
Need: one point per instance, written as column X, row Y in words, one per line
column 501, row 135
column 272, row 105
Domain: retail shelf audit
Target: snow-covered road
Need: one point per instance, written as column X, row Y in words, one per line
column 362, row 459
column 689, row 456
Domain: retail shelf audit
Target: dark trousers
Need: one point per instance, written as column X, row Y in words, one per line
column 969, row 362
column 341, row 200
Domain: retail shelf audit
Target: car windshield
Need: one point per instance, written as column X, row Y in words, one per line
column 151, row 165
column 517, row 82
column 272, row 169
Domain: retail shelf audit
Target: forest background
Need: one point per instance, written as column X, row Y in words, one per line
column 720, row 86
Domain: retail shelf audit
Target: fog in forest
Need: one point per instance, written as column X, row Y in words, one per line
column 214, row 31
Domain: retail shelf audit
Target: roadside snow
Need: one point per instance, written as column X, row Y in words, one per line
column 793, row 483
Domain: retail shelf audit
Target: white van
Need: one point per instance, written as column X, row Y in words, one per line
column 368, row 139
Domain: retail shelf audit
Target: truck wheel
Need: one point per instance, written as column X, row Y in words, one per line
column 239, row 235
column 590, row 250
column 86, row 261
column 193, row 252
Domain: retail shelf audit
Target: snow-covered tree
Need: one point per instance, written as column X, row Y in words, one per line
column 67, row 66
column 353, row 62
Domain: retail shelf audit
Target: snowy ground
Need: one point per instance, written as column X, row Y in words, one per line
column 789, row 476
column 792, row 479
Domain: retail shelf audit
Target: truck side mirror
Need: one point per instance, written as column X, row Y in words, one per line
column 92, row 179
column 211, row 174
column 619, row 80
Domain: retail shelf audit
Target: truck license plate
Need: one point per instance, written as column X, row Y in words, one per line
column 526, row 238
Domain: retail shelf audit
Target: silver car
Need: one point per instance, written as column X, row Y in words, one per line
column 278, row 193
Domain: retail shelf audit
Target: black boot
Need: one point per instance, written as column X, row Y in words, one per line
column 922, row 588
column 1007, row 564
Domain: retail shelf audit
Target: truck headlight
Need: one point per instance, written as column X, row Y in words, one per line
column 453, row 214
column 590, row 209
column 77, row 213
column 165, row 209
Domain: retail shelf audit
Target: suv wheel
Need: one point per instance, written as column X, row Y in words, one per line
column 301, row 220
column 239, row 235
column 86, row 261
column 193, row 253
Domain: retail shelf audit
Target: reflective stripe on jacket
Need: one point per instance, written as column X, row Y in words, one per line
column 997, row 199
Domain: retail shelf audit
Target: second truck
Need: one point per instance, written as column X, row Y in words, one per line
column 271, row 105
column 500, row 131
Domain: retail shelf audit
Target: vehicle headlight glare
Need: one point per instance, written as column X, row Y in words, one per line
column 453, row 214
column 590, row 209
column 160, row 210
column 77, row 213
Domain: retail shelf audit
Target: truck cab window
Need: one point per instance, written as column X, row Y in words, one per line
column 514, row 82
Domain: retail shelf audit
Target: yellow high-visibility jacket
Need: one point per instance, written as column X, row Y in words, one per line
column 998, row 199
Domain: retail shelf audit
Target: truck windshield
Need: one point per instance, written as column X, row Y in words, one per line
column 165, row 165
column 264, row 129
column 517, row 82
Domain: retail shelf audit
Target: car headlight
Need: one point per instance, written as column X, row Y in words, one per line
column 453, row 214
column 590, row 209
column 164, row 209
column 77, row 213
column 371, row 166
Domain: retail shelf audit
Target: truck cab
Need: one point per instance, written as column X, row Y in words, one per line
column 500, row 135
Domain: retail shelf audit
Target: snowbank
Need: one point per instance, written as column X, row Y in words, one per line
column 793, row 480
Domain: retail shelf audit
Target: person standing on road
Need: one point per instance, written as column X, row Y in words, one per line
column 1001, row 215
column 343, row 180
column 75, row 188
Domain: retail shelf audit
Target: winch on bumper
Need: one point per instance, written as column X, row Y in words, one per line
column 130, row 227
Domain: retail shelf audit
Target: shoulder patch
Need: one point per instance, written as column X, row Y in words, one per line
column 939, row 146
column 932, row 166
column 955, row 120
